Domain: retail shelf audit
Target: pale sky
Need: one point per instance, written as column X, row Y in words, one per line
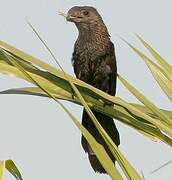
column 35, row 132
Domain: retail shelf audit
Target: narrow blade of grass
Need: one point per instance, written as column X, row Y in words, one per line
column 2, row 170
column 98, row 149
column 147, row 111
column 162, row 166
column 161, row 79
column 143, row 176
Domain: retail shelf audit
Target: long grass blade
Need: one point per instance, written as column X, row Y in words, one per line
column 147, row 111
column 162, row 166
column 162, row 80
column 163, row 63
column 102, row 156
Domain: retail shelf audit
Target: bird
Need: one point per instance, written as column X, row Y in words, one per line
column 94, row 62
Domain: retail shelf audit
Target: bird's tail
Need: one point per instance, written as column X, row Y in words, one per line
column 109, row 126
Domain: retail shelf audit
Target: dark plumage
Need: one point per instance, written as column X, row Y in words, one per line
column 94, row 62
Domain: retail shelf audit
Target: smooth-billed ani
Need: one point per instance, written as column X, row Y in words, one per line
column 94, row 62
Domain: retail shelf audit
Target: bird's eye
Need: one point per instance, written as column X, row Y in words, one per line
column 85, row 13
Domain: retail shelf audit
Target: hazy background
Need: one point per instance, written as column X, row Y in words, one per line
column 35, row 132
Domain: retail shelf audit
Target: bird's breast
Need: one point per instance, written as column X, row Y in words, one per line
column 87, row 57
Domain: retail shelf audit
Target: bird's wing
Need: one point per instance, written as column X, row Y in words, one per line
column 105, row 72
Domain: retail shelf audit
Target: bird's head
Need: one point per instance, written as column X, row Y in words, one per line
column 88, row 21
column 83, row 14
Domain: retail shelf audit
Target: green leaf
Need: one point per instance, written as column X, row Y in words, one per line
column 25, row 57
column 118, row 112
column 162, row 80
column 52, row 74
column 148, row 104
column 97, row 148
column 165, row 66
column 147, row 111
column 107, row 163
column 10, row 70
column 160, row 73
column 139, row 96
column 12, row 168
column 88, row 91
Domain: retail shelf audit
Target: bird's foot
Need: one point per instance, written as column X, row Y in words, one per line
column 107, row 103
column 73, row 93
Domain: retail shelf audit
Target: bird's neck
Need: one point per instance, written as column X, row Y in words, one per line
column 93, row 33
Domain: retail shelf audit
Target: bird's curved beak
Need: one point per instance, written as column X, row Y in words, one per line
column 66, row 16
column 69, row 17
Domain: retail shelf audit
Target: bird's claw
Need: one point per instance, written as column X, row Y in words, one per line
column 107, row 103
column 73, row 93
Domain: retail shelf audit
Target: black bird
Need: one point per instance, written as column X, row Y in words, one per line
column 94, row 62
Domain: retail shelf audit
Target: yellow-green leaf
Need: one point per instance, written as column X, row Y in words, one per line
column 146, row 102
column 98, row 149
column 91, row 91
column 166, row 66
column 12, row 168
column 162, row 80
column 107, row 163
column 2, row 170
